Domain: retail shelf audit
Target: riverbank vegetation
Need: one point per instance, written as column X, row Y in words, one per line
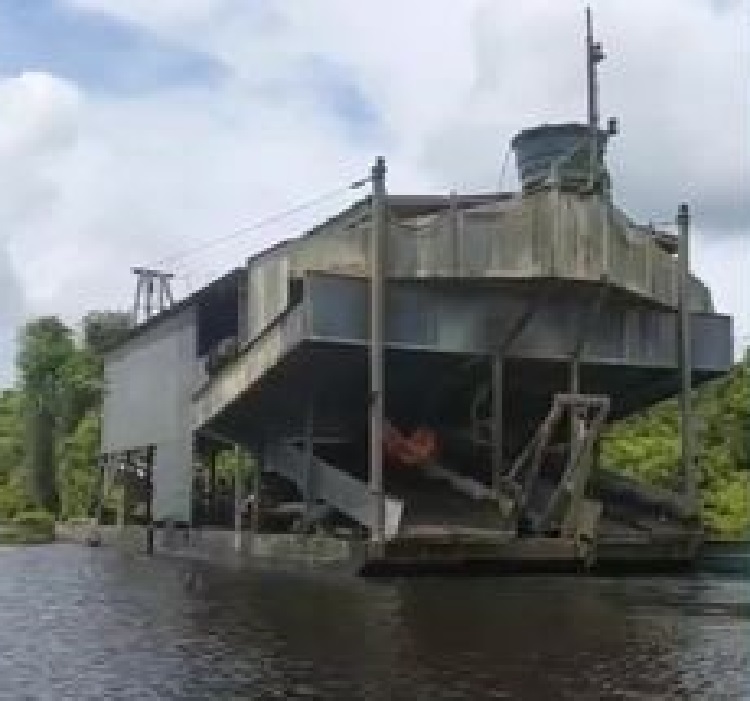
column 50, row 424
column 28, row 528
column 647, row 446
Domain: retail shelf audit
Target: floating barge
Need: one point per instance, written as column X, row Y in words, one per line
column 423, row 380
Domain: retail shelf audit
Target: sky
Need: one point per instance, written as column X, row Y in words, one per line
column 132, row 131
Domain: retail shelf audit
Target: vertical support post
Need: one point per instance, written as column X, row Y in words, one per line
column 574, row 387
column 455, row 230
column 596, row 459
column 686, row 370
column 100, row 490
column 168, row 290
column 556, row 262
column 150, row 500
column 257, row 483
column 212, row 487
column 238, row 472
column 137, row 300
column 149, row 296
column 309, row 448
column 574, row 380
column 497, row 421
column 122, row 506
column 378, row 238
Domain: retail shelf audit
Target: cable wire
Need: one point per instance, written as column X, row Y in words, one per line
column 259, row 224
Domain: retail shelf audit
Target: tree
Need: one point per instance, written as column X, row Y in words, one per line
column 11, row 434
column 77, row 474
column 13, row 495
column 49, row 426
column 103, row 331
column 46, row 347
column 45, row 344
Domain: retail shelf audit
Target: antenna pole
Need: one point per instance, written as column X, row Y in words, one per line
column 591, row 90
column 594, row 55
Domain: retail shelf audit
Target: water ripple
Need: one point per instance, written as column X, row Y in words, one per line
column 83, row 624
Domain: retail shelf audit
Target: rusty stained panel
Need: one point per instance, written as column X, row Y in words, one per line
column 579, row 247
column 500, row 243
column 424, row 250
column 342, row 249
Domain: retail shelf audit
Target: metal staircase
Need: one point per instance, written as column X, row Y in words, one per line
column 332, row 486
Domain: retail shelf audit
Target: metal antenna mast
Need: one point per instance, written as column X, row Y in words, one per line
column 594, row 55
column 148, row 299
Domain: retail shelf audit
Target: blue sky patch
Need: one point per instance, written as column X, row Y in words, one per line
column 99, row 53
column 338, row 93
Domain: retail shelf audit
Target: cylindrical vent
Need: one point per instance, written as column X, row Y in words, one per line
column 566, row 146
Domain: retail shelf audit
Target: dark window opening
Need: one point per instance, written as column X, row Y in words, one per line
column 296, row 291
column 218, row 318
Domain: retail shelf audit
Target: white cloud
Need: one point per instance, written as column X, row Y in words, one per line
column 95, row 183
column 11, row 316
column 39, row 122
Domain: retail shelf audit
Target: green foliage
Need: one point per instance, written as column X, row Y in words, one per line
column 13, row 493
column 80, row 387
column 227, row 466
column 45, row 345
column 37, row 520
column 29, row 527
column 40, row 455
column 77, row 476
column 647, row 447
column 49, row 427
column 11, row 434
column 103, row 331
column 14, row 498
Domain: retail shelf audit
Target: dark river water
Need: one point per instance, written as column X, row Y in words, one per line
column 79, row 623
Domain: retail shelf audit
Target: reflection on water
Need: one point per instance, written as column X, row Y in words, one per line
column 80, row 623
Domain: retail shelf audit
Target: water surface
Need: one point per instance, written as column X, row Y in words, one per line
column 78, row 623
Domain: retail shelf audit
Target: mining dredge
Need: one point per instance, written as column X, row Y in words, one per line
column 426, row 378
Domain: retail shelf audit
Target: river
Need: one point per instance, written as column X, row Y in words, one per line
column 78, row 623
